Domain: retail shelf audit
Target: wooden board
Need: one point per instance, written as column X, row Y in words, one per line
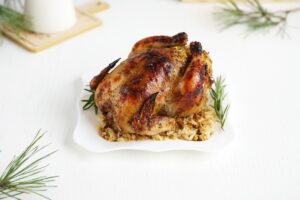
column 35, row 42
column 93, row 7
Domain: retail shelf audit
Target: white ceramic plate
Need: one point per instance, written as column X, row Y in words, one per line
column 86, row 134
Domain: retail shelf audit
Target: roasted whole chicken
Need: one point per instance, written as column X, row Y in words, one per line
column 162, row 78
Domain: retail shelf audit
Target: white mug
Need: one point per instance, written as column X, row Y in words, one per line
column 50, row 16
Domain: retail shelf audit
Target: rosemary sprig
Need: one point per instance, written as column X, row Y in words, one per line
column 90, row 102
column 253, row 15
column 218, row 95
column 11, row 19
column 23, row 175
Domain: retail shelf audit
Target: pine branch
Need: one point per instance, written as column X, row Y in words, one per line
column 13, row 20
column 24, row 174
column 253, row 16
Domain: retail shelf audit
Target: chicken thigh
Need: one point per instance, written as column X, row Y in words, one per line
column 162, row 78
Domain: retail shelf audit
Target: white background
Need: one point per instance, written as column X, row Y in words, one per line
column 262, row 73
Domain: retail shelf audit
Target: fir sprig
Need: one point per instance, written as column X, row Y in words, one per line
column 90, row 102
column 13, row 20
column 218, row 95
column 253, row 15
column 24, row 174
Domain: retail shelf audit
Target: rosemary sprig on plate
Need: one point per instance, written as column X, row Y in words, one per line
column 252, row 15
column 24, row 174
column 218, row 95
column 90, row 102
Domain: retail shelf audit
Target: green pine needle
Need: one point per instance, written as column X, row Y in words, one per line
column 13, row 20
column 252, row 15
column 90, row 102
column 218, row 95
column 24, row 174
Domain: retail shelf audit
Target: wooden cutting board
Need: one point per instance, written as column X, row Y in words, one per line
column 36, row 42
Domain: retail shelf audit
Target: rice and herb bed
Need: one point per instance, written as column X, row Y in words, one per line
column 197, row 127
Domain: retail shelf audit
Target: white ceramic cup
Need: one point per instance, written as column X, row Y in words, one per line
column 50, row 16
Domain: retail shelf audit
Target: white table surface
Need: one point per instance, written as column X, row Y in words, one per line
column 39, row 91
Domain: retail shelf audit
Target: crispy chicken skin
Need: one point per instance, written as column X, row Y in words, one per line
column 162, row 78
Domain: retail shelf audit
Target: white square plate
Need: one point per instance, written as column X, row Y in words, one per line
column 86, row 134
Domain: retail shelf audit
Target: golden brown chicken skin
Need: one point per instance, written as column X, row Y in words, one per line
column 162, row 78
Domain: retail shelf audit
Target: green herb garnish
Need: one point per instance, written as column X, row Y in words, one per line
column 90, row 102
column 218, row 95
column 24, row 175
